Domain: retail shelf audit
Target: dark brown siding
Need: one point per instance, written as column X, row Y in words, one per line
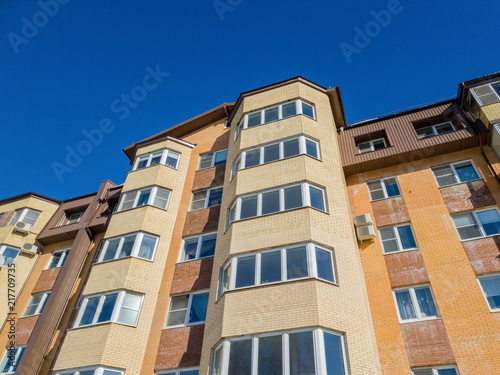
column 201, row 221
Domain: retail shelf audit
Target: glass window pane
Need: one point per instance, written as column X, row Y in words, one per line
column 248, row 207
column 143, row 161
column 143, row 197
column 240, row 357
column 271, row 153
column 387, row 234
column 218, row 362
column 311, row 148
column 467, row 233
column 128, row 200
column 333, row 354
column 252, row 158
column 491, row 289
column 130, row 309
column 107, row 308
column 105, row 372
column 466, row 172
column 444, row 175
column 406, row 236
column 270, row 202
column 172, row 159
column 425, row 132
column 425, row 302
column 324, row 264
column 10, row 254
column 450, row 371
column 156, row 157
column 128, row 244
column 245, row 272
column 291, row 148
column 270, row 270
column 199, row 306
column 378, row 144
column 220, row 157
column 444, row 128
column 89, row 312
column 176, row 318
column 288, row 110
column 490, row 221
column 16, row 216
column 392, row 187
column 364, row 147
column 253, row 120
column 293, row 197
column 225, row 278
column 317, row 198
column 215, row 197
column 161, row 199
column 179, row 302
column 208, row 245
column 405, row 305
column 307, row 110
column 189, row 372
column 111, row 249
column 189, row 250
column 296, row 263
column 302, row 354
column 271, row 114
column 270, row 360
column 206, row 160
column 423, row 372
column 198, row 200
column 147, row 247
column 54, row 261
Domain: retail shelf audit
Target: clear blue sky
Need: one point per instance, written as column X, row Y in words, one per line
column 62, row 77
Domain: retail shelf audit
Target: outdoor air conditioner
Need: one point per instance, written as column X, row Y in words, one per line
column 22, row 227
column 363, row 220
column 366, row 233
column 29, row 248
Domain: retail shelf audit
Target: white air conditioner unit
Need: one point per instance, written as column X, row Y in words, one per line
column 22, row 227
column 363, row 220
column 366, row 233
column 29, row 248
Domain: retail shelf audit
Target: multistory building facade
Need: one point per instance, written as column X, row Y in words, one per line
column 267, row 236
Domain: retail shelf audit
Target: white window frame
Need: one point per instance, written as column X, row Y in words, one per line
column 198, row 246
column 135, row 249
column 97, row 370
column 24, row 211
column 414, row 299
column 243, row 123
column 478, row 223
column 152, row 197
column 452, row 165
column 384, row 189
column 318, row 346
column 19, row 352
column 179, row 371
column 188, row 309
column 207, row 195
column 306, row 201
column 312, row 269
column 478, row 98
column 435, row 369
column 64, row 254
column 79, row 214
column 434, row 130
column 371, row 146
column 116, row 308
column 398, row 239
column 163, row 159
column 241, row 159
column 488, row 276
column 39, row 306
column 3, row 247
column 212, row 163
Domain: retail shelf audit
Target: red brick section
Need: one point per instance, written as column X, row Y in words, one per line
column 4, row 220
column 390, row 211
column 46, row 280
column 468, row 196
column 484, row 254
column 201, row 221
column 208, row 178
column 24, row 327
column 406, row 268
column 192, row 275
column 180, row 347
column 427, row 343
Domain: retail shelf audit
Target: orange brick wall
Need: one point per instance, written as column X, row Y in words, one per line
column 46, row 280
column 192, row 275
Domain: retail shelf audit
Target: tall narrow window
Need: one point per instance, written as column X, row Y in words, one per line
column 187, row 309
column 491, row 290
column 36, row 304
column 58, row 258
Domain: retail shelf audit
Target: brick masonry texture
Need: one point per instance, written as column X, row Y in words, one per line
column 201, row 221
column 192, row 275
column 24, row 327
column 484, row 254
column 209, row 178
column 406, row 268
column 46, row 280
column 469, row 196
column 390, row 211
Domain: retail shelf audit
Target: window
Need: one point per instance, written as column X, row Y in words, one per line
column 437, row 370
column 294, row 353
column 477, row 224
column 187, row 309
column 212, row 159
column 438, row 129
column 36, row 304
column 58, row 258
column 74, row 218
column 487, row 94
column 278, row 265
column 198, row 247
column 8, row 255
column 26, row 215
column 139, row 245
column 166, row 157
column 11, row 359
column 206, row 198
column 369, row 146
column 415, row 304
column 455, row 173
column 276, row 151
column 119, row 307
column 277, row 112
column 91, row 371
column 383, row 188
column 397, row 238
column 276, row 200
column 193, row 371
column 491, row 289
column 153, row 196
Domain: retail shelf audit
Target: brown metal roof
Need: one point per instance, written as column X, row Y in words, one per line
column 27, row 195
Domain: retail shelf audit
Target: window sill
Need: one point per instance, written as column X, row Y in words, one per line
column 478, row 238
column 419, row 320
column 435, row 135
column 460, row 183
column 184, row 325
column 204, row 208
column 383, row 199
column 213, row 166
column 28, row 316
column 151, row 166
column 402, row 251
column 195, row 259
column 127, row 257
column 271, row 122
column 135, row 208
column 371, row 152
column 101, row 324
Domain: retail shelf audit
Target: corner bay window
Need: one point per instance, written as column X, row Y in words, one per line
column 187, row 309
column 26, row 215
column 477, row 224
column 278, row 265
column 198, row 247
column 455, row 173
column 212, row 159
column 415, row 303
column 8, row 255
column 166, row 157
column 153, row 196
column 11, row 359
column 206, row 198
column 276, row 200
column 138, row 245
column 91, row 371
column 121, row 307
column 302, row 352
column 276, row 151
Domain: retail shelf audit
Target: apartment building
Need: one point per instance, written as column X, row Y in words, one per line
column 267, row 236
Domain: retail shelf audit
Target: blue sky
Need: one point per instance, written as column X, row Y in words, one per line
column 63, row 63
